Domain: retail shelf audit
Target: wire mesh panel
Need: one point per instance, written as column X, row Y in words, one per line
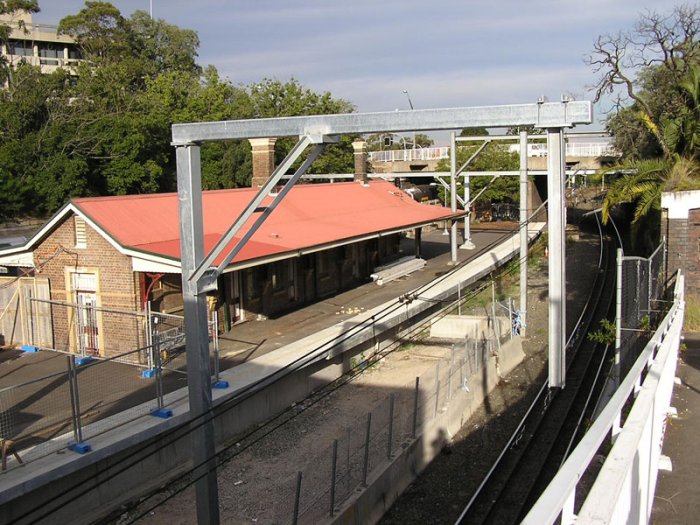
column 656, row 284
column 111, row 393
column 315, row 498
column 379, row 436
column 350, row 462
column 284, row 505
column 33, row 413
column 642, row 288
column 42, row 415
column 22, row 322
column 85, row 329
column 405, row 405
column 427, row 405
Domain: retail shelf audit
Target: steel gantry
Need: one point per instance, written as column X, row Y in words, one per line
column 200, row 270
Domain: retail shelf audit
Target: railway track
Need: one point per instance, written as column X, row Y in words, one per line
column 546, row 433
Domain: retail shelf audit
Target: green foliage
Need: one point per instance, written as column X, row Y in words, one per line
column 605, row 335
column 692, row 315
column 474, row 132
column 105, row 129
column 641, row 183
column 645, row 323
column 658, row 65
column 494, row 157
column 101, row 32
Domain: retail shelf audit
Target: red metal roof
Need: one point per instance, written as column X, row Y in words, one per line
column 310, row 215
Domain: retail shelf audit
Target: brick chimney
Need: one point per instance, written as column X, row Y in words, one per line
column 360, row 148
column 263, row 160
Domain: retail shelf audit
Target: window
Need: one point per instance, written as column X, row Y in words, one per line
column 50, row 53
column 80, row 232
column 74, row 53
column 20, row 48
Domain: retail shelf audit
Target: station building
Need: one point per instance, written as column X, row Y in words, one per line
column 121, row 253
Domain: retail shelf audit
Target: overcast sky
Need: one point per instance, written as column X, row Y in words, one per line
column 446, row 53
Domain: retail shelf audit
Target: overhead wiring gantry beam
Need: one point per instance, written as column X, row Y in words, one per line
column 198, row 272
column 563, row 114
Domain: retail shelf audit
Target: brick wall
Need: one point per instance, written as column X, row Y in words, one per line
column 683, row 252
column 692, row 248
column 166, row 295
column 263, row 153
column 57, row 256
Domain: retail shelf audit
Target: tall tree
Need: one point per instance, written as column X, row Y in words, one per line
column 642, row 70
column 101, row 31
column 107, row 129
column 165, row 47
column 655, row 70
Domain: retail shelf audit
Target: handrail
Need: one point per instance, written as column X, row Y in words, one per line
column 560, row 494
column 577, row 149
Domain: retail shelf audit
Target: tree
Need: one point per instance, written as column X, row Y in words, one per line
column 165, row 47
column 107, row 129
column 682, row 129
column 474, row 132
column 101, row 32
column 655, row 69
column 494, row 157
column 643, row 70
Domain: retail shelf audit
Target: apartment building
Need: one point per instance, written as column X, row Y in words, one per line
column 38, row 44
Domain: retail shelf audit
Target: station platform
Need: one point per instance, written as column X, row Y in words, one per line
column 251, row 339
column 677, row 498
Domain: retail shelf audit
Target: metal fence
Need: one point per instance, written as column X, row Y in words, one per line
column 337, row 472
column 89, row 395
column 623, row 490
column 640, row 304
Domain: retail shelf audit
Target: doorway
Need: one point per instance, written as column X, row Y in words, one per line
column 87, row 325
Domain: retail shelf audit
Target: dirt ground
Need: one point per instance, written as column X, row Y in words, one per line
column 257, row 484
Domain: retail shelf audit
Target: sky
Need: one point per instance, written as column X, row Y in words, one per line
column 445, row 53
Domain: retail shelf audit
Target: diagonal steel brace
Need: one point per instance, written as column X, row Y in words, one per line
column 208, row 281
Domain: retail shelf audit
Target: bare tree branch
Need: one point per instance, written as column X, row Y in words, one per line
column 621, row 60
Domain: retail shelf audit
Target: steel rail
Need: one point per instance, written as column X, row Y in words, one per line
column 541, row 394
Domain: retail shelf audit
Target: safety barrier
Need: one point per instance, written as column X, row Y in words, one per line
column 87, row 395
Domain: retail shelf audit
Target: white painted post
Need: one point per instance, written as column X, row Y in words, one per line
column 557, row 257
column 523, row 231
column 453, row 196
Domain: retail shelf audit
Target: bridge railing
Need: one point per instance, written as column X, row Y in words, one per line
column 408, row 155
column 623, row 491
column 573, row 149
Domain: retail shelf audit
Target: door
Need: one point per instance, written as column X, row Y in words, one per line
column 87, row 322
column 235, row 305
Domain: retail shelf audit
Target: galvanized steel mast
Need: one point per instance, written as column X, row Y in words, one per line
column 198, row 277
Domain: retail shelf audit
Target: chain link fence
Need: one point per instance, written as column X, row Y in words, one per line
column 641, row 303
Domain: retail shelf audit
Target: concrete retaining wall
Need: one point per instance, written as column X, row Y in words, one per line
column 385, row 486
column 462, row 326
